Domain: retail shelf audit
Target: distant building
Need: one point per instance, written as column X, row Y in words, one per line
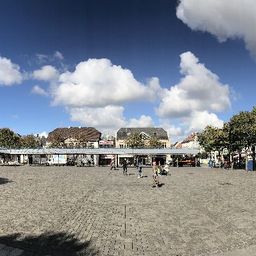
column 189, row 142
column 74, row 137
column 106, row 142
column 146, row 133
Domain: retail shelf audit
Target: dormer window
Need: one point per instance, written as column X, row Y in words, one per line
column 144, row 136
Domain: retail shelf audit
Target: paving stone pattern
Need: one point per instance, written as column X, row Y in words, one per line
column 196, row 212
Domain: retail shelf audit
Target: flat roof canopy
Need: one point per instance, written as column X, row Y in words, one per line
column 100, row 151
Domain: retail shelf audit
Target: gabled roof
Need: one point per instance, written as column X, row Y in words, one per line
column 160, row 133
column 191, row 137
column 79, row 133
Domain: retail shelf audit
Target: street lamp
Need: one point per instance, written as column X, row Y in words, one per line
column 253, row 157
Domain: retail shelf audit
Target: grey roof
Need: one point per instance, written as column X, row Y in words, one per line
column 160, row 133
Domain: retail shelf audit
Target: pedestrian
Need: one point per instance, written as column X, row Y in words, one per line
column 155, row 175
column 124, row 167
column 139, row 169
column 112, row 164
column 166, row 169
column 177, row 162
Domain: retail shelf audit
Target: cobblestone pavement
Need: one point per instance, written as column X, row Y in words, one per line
column 95, row 211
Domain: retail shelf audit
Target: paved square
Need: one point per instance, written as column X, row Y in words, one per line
column 95, row 211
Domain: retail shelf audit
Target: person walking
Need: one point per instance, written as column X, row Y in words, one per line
column 139, row 168
column 112, row 164
column 155, row 175
column 124, row 167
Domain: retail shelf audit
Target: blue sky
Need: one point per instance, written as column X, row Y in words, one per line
column 109, row 63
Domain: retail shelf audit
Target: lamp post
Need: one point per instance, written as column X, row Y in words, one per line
column 253, row 157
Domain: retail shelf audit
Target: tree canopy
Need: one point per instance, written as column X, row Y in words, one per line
column 9, row 139
column 30, row 141
column 237, row 134
column 212, row 139
column 135, row 141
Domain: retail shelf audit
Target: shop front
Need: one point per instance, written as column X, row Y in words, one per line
column 105, row 160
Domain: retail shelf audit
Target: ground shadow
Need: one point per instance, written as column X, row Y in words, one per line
column 159, row 185
column 225, row 183
column 4, row 181
column 49, row 243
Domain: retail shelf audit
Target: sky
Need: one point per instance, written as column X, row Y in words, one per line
column 180, row 65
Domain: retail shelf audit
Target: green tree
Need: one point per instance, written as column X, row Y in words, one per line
column 213, row 139
column 208, row 138
column 29, row 141
column 134, row 141
column 9, row 139
column 154, row 142
column 242, row 130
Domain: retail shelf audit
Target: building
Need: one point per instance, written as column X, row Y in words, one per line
column 107, row 142
column 146, row 134
column 189, row 142
column 74, row 137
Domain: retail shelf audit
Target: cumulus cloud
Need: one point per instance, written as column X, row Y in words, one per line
column 174, row 131
column 198, row 90
column 109, row 117
column 143, row 121
column 38, row 90
column 199, row 120
column 103, row 117
column 9, row 72
column 95, row 92
column 223, row 19
column 46, row 73
column 99, row 83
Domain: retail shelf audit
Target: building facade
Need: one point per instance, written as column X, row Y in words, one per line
column 145, row 134
column 76, row 137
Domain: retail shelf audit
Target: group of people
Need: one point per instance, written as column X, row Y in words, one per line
column 157, row 170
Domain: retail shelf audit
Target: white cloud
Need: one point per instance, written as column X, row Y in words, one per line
column 174, row 131
column 99, row 83
column 199, row 120
column 46, row 73
column 38, row 90
column 9, row 72
column 42, row 58
column 45, row 58
column 143, row 121
column 198, row 90
column 109, row 117
column 222, row 18
column 58, row 55
column 94, row 94
column 103, row 117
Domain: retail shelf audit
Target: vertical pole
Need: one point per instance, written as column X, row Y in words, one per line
column 253, row 158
